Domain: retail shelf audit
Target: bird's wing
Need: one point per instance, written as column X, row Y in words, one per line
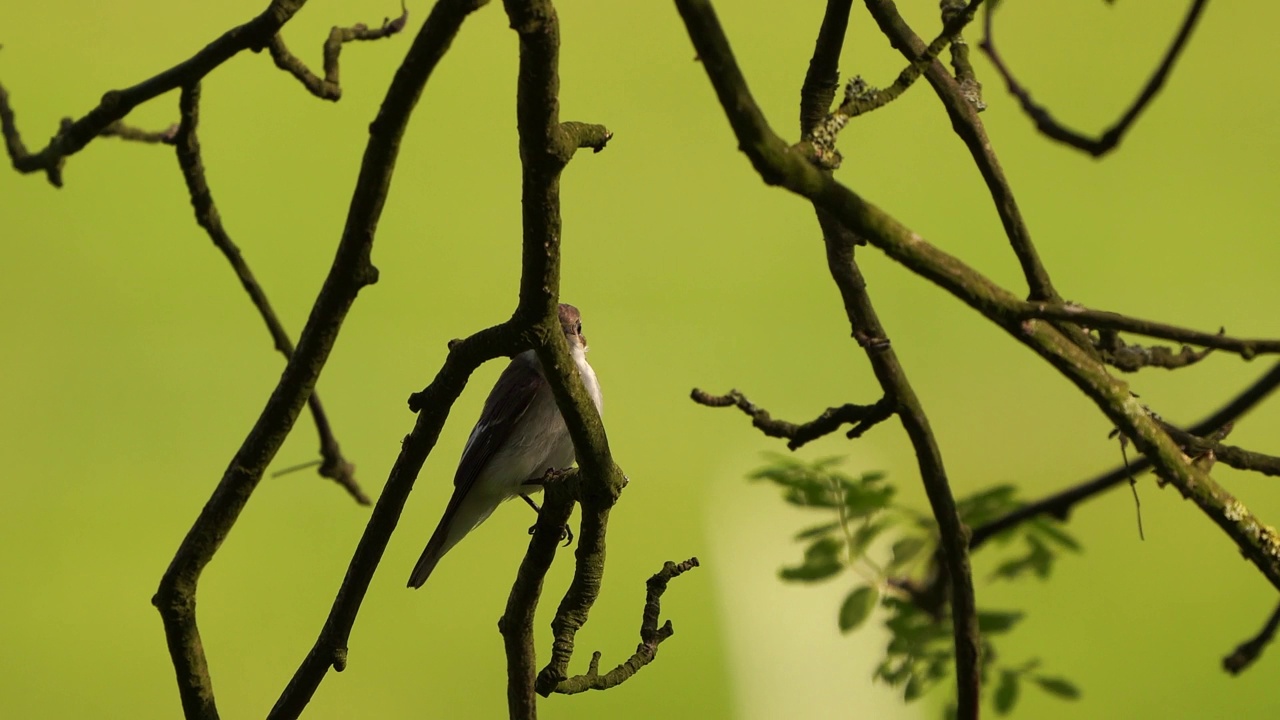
column 507, row 403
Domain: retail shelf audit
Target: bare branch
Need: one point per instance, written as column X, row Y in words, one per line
column 118, row 129
column 333, row 465
column 328, row 87
column 1101, row 319
column 1060, row 504
column 516, row 624
column 1250, row 650
column 1229, row 455
column 862, row 417
column 651, row 636
column 967, row 124
column 330, row 648
column 1108, row 140
column 115, row 104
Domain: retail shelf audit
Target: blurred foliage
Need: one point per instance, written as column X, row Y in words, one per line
column 920, row 653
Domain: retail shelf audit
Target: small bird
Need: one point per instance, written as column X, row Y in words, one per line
column 519, row 437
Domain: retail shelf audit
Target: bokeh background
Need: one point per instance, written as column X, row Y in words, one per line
column 132, row 364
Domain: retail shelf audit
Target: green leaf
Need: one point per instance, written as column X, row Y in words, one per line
column 817, row 531
column 986, row 505
column 857, row 608
column 1060, row 687
column 1007, row 692
column 866, row 501
column 867, row 534
column 821, row 561
column 915, row 688
column 906, row 550
column 993, row 622
column 1051, row 529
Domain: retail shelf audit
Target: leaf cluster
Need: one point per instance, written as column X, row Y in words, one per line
column 861, row 509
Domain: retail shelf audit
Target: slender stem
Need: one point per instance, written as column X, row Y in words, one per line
column 72, row 137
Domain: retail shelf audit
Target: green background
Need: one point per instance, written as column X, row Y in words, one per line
column 132, row 365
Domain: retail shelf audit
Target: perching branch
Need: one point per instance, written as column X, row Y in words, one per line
column 862, row 417
column 1108, row 140
column 546, row 145
column 651, row 636
column 72, row 137
column 328, row 87
column 333, row 465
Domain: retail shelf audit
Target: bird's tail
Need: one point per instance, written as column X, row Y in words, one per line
column 463, row 513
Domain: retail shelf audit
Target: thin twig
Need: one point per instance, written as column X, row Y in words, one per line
column 1102, row 319
column 119, row 129
column 1108, row 140
column 333, row 465
column 115, row 104
column 969, row 127
column 328, row 87
column 651, row 636
column 1250, row 650
column 862, row 417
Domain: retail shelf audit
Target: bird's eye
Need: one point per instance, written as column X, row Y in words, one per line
column 578, row 328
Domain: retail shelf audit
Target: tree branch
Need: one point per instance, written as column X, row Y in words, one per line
column 862, row 417
column 72, row 137
column 330, row 648
column 1060, row 504
column 899, row 396
column 651, row 636
column 778, row 164
column 1248, row 651
column 967, row 124
column 516, row 624
column 333, row 466
column 546, row 145
column 1108, row 140
column 328, row 87
column 1102, row 319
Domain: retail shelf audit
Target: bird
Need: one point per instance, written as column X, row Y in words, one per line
column 519, row 437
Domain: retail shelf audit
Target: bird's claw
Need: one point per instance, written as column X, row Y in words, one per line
column 565, row 534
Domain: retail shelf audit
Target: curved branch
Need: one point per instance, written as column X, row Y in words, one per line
column 1250, row 650
column 351, row 271
column 333, row 465
column 72, row 137
column 862, row 417
column 327, row 87
column 967, row 124
column 1108, row 140
column 651, row 636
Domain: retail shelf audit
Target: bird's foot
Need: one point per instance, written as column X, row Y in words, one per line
column 565, row 534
